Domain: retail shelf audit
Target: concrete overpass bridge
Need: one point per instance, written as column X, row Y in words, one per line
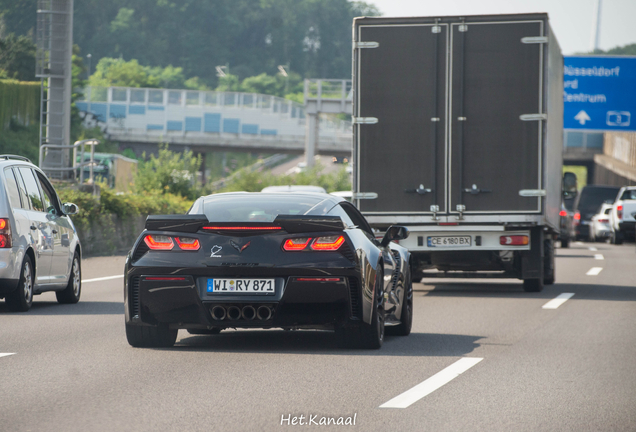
column 206, row 121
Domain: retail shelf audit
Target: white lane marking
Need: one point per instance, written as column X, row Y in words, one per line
column 427, row 387
column 558, row 301
column 102, row 278
column 594, row 271
column 6, row 354
column 593, row 249
column 578, row 243
column 599, row 256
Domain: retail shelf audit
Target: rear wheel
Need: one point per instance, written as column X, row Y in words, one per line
column 71, row 294
column 160, row 336
column 548, row 263
column 533, row 285
column 373, row 333
column 21, row 299
column 406, row 317
column 565, row 242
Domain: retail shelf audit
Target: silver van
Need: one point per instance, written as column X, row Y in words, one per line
column 39, row 247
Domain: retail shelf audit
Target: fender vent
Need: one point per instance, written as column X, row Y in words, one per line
column 140, row 251
column 354, row 295
column 134, row 296
column 398, row 265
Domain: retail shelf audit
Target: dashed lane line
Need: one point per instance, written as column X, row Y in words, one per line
column 599, row 257
column 593, row 249
column 594, row 271
column 102, row 278
column 427, row 387
column 558, row 301
column 6, row 354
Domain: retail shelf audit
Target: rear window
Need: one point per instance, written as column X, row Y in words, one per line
column 629, row 195
column 592, row 198
column 261, row 208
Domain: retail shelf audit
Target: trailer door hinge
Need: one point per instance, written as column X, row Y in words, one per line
column 436, row 29
column 463, row 28
column 533, row 117
column 365, row 195
column 366, row 44
column 534, row 39
column 364, row 120
column 532, row 192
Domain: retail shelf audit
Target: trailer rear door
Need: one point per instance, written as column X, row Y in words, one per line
column 496, row 133
column 403, row 85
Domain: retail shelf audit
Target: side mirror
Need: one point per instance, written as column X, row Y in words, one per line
column 395, row 232
column 70, row 209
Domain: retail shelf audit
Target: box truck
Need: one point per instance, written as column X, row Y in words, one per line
column 458, row 129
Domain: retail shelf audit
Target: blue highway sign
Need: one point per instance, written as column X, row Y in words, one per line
column 599, row 93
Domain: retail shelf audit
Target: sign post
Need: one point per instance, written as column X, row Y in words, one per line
column 599, row 93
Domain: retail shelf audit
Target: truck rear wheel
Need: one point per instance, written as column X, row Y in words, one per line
column 533, row 285
column 548, row 262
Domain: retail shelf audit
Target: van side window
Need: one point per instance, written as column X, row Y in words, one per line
column 46, row 196
column 22, row 189
column 12, row 188
column 32, row 189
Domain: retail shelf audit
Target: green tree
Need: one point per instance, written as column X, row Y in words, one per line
column 17, row 57
column 169, row 172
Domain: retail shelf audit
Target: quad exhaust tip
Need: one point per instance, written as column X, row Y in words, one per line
column 249, row 313
column 264, row 313
column 218, row 313
column 233, row 313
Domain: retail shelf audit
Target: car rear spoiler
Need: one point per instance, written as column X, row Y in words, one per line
column 181, row 223
column 290, row 223
column 301, row 223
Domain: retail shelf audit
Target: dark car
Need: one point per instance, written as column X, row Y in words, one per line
column 255, row 260
column 587, row 203
column 566, row 223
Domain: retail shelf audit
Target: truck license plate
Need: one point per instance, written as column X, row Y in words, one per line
column 241, row 286
column 449, row 241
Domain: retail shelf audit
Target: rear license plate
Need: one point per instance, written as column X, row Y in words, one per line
column 449, row 241
column 241, row 286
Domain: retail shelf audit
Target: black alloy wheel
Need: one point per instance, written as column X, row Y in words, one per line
column 373, row 334
column 406, row 317
column 71, row 294
column 21, row 299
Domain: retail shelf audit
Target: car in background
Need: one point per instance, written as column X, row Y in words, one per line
column 587, row 203
column 599, row 226
column 308, row 261
column 39, row 247
column 623, row 215
column 294, row 188
column 566, row 225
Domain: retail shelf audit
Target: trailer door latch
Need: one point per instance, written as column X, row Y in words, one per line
column 420, row 190
column 364, row 120
column 475, row 190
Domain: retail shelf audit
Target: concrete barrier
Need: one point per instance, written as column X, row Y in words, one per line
column 110, row 235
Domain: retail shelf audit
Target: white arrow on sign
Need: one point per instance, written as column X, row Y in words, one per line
column 582, row 117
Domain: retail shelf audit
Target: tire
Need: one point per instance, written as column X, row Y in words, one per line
column 71, row 294
column 212, row 331
column 619, row 237
column 406, row 318
column 372, row 335
column 549, row 267
column 565, row 243
column 21, row 299
column 533, row 285
column 160, row 336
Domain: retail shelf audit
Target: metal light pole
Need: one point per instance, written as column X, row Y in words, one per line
column 88, row 74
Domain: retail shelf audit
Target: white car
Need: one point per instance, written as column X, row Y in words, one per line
column 623, row 215
column 599, row 225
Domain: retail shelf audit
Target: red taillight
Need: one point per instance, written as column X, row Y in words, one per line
column 603, row 220
column 5, row 234
column 563, row 213
column 514, row 240
column 577, row 218
column 241, row 228
column 328, row 243
column 159, row 242
column 296, row 244
column 619, row 211
column 187, row 243
column 319, row 279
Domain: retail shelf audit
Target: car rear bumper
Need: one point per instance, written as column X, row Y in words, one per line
column 185, row 303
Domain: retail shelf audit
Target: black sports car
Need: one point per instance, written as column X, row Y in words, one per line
column 254, row 260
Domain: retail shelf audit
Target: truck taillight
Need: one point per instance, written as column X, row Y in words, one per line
column 619, row 211
column 159, row 242
column 5, row 234
column 577, row 218
column 514, row 240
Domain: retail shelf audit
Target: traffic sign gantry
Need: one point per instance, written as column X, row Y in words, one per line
column 599, row 93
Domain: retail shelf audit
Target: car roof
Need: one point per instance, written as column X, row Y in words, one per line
column 317, row 195
column 294, row 188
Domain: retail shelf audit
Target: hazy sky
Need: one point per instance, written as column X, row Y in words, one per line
column 571, row 20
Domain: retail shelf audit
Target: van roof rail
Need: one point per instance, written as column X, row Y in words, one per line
column 9, row 156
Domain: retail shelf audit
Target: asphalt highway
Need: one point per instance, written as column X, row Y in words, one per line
column 483, row 356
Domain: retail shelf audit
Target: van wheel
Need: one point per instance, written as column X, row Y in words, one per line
column 71, row 294
column 21, row 299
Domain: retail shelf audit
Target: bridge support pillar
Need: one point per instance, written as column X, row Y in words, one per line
column 311, row 138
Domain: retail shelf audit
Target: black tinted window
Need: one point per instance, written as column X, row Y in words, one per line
column 12, row 188
column 259, row 208
column 32, row 189
column 592, row 197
